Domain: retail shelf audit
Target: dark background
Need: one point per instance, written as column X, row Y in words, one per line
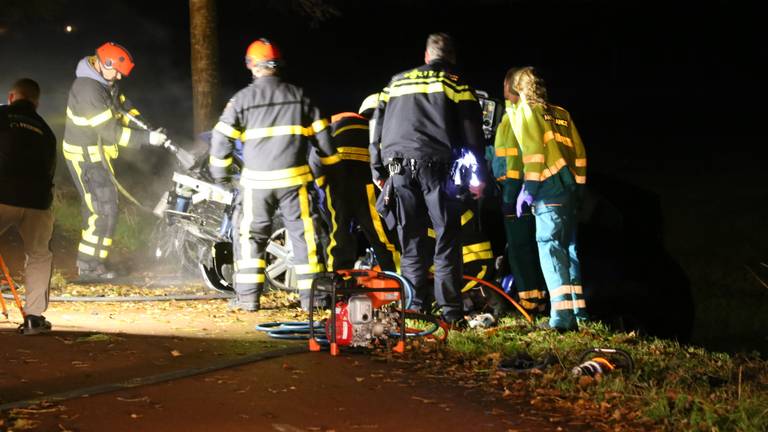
column 667, row 97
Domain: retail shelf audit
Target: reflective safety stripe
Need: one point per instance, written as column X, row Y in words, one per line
column 431, row 232
column 106, row 241
column 249, row 278
column 471, row 284
column 318, row 125
column 346, row 128
column 309, row 226
column 561, row 290
column 227, row 130
column 216, row 162
column 72, row 148
column 580, row 179
column 475, row 256
column 529, row 305
column 568, row 304
column 507, row 151
column 466, row 217
column 379, row 227
column 549, row 136
column 304, row 284
column 320, row 181
column 532, row 294
column 580, row 162
column 330, row 160
column 436, row 87
column 547, row 172
column 533, row 158
column 477, row 247
column 92, row 121
column 277, row 178
column 250, row 263
column 88, row 250
column 334, row 227
column 103, row 253
column 356, row 157
column 89, row 237
column 513, row 174
column 250, row 134
column 353, row 150
column 134, row 112
column 305, row 269
column 125, row 137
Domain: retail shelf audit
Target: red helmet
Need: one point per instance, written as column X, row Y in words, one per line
column 113, row 56
column 262, row 53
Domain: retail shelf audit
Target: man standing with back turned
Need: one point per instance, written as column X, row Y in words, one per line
column 425, row 117
column 27, row 165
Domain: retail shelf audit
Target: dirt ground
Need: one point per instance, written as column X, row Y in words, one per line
column 96, row 345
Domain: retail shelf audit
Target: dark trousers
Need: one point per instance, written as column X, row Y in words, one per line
column 254, row 226
column 99, row 210
column 421, row 198
column 350, row 202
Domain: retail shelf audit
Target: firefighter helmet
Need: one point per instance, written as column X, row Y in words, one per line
column 114, row 56
column 262, row 53
column 369, row 105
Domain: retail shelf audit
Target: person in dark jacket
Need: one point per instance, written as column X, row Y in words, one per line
column 27, row 165
column 277, row 124
column 97, row 128
column 424, row 118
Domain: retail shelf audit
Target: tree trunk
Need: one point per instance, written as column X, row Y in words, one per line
column 204, row 45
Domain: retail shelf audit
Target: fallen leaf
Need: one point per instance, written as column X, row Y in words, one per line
column 359, row 379
column 176, row 353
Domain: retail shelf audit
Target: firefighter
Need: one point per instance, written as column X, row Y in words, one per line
column 522, row 252
column 27, row 165
column 554, row 165
column 424, row 117
column 277, row 123
column 351, row 197
column 96, row 130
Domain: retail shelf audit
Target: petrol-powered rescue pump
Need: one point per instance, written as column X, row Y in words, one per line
column 367, row 307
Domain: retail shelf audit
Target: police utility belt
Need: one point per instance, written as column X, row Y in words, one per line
column 397, row 165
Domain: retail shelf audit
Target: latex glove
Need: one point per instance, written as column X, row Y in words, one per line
column 524, row 201
column 157, row 137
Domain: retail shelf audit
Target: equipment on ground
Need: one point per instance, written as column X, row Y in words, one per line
column 600, row 361
column 367, row 308
column 12, row 286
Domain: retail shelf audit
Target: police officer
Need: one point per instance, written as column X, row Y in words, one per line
column 554, row 165
column 277, row 123
column 95, row 131
column 27, row 165
column 350, row 198
column 424, row 116
column 522, row 252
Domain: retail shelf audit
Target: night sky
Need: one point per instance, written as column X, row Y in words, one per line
column 667, row 97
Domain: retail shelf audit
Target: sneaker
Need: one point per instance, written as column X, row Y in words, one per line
column 250, row 306
column 34, row 324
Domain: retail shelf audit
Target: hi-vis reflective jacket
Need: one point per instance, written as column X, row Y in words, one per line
column 94, row 113
column 425, row 114
column 545, row 142
column 276, row 124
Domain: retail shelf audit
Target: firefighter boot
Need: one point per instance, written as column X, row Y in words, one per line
column 34, row 324
column 94, row 271
column 247, row 304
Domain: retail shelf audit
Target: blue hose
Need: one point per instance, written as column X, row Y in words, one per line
column 407, row 287
column 293, row 330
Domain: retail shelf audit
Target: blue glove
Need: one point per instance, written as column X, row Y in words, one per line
column 524, row 201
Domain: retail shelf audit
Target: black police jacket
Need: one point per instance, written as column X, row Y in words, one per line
column 27, row 157
column 426, row 113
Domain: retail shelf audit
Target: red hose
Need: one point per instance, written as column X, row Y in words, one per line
column 503, row 294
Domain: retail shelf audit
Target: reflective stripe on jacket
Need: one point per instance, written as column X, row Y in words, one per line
column 276, row 123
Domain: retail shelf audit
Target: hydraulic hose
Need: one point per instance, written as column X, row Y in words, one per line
column 503, row 294
column 407, row 287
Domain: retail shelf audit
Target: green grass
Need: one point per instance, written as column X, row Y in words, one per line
column 673, row 387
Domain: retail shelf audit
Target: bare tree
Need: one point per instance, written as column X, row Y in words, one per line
column 204, row 45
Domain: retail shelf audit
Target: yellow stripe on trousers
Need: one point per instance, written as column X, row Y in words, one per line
column 309, row 229
column 334, row 227
column 471, row 284
column 379, row 227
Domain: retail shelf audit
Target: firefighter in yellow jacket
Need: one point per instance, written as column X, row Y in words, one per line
column 277, row 124
column 95, row 131
column 554, row 165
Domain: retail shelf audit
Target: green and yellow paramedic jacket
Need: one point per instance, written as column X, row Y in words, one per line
column 94, row 114
column 277, row 124
column 539, row 146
